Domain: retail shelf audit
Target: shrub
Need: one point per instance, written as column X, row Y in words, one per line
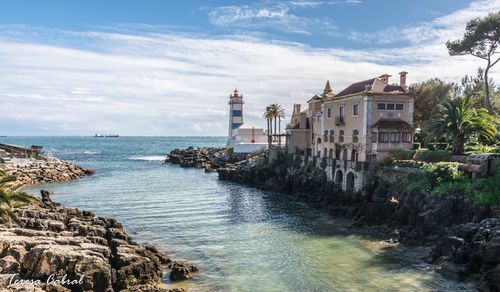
column 402, row 154
column 432, row 156
column 440, row 172
column 487, row 190
column 408, row 163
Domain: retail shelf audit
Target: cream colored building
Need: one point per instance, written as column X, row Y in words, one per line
column 360, row 123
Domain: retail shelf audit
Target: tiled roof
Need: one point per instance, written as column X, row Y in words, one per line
column 356, row 87
column 391, row 124
column 390, row 88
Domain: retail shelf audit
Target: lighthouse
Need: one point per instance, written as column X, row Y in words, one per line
column 235, row 115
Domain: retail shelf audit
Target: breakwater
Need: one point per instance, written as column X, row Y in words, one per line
column 208, row 158
column 46, row 170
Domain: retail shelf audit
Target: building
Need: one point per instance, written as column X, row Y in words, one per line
column 243, row 137
column 360, row 123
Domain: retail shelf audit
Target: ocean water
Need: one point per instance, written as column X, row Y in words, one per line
column 242, row 239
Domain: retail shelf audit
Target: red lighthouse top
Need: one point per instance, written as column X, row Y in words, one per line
column 235, row 93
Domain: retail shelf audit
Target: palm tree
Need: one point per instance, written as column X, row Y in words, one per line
column 268, row 115
column 457, row 120
column 10, row 197
column 280, row 114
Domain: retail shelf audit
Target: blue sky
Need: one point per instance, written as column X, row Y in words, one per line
column 166, row 67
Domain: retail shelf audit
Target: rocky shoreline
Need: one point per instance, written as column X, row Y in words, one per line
column 465, row 242
column 208, row 158
column 89, row 252
column 47, row 170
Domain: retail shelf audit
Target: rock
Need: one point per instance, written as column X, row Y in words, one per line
column 181, row 271
column 66, row 241
column 9, row 264
column 491, row 281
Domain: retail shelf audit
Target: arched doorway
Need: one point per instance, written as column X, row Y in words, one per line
column 354, row 155
column 350, row 182
column 338, row 177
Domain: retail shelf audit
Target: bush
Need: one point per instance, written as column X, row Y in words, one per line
column 408, row 163
column 401, row 154
column 487, row 190
column 476, row 149
column 440, row 172
column 432, row 156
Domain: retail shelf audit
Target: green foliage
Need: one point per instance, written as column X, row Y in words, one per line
column 488, row 190
column 408, row 163
column 10, row 197
column 427, row 96
column 401, row 154
column 440, row 172
column 457, row 121
column 482, row 40
column 432, row 156
column 480, row 148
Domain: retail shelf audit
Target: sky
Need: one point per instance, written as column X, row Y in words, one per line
column 166, row 68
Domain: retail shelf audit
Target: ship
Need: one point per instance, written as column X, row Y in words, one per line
column 106, row 135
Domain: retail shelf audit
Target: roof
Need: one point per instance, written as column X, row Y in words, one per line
column 361, row 87
column 315, row 97
column 390, row 88
column 356, row 87
column 391, row 124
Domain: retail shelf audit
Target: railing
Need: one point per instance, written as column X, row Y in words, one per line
column 340, row 120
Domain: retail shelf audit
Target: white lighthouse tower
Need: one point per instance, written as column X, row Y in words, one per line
column 235, row 115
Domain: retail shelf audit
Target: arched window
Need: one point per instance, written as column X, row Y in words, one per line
column 349, row 182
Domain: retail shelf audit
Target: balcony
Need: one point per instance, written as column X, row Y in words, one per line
column 340, row 120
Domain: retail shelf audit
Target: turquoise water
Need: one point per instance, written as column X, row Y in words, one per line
column 242, row 239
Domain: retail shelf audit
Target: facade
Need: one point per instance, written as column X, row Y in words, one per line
column 360, row 123
column 243, row 137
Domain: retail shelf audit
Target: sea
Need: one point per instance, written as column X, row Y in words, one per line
column 241, row 238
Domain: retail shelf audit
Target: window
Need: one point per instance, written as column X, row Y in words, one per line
column 355, row 134
column 341, row 136
column 407, row 137
column 399, row 106
column 383, row 137
column 390, row 106
column 341, row 111
column 355, row 109
column 380, row 106
column 332, row 136
column 395, row 137
column 374, row 137
column 326, row 136
column 329, row 113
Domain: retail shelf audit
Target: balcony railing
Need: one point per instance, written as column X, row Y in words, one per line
column 340, row 120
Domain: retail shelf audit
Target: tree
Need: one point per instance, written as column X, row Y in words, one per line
column 427, row 96
column 481, row 39
column 269, row 115
column 474, row 87
column 457, row 121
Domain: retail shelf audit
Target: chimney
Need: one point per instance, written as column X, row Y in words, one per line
column 402, row 79
column 296, row 108
column 384, row 78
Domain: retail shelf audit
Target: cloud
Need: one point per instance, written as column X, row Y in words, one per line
column 276, row 15
column 440, row 29
column 152, row 83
